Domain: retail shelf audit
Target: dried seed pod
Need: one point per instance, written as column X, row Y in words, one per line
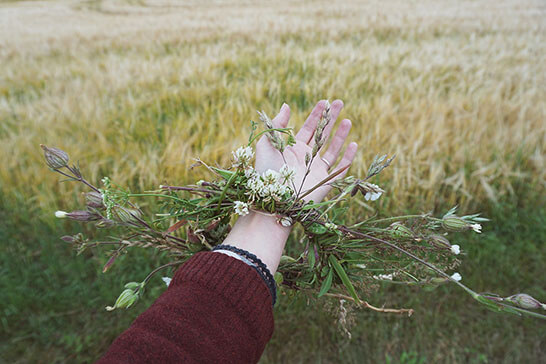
column 94, row 199
column 523, row 300
column 455, row 223
column 439, row 240
column 81, row 215
column 126, row 214
column 55, row 158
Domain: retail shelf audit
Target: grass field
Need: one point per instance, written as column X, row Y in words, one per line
column 135, row 89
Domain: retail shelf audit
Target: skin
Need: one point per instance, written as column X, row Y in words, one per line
column 261, row 234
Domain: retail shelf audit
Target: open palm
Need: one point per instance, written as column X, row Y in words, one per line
column 267, row 157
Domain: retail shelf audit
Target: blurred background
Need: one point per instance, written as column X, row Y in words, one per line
column 135, row 89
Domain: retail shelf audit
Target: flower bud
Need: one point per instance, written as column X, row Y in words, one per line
column 133, row 285
column 55, row 158
column 60, row 214
column 82, row 215
column 125, row 300
column 439, row 240
column 455, row 249
column 105, row 223
column 278, row 278
column 454, row 223
column 398, row 230
column 68, row 239
column 285, row 259
column 125, row 214
column 523, row 300
column 307, row 158
column 94, row 199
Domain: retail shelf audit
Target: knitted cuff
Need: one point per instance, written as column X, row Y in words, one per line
column 237, row 282
column 260, row 267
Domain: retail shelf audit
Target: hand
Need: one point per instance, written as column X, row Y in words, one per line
column 267, row 157
column 261, row 234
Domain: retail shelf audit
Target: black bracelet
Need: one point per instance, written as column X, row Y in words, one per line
column 259, row 266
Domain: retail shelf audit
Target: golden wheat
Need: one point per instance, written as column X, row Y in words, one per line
column 455, row 89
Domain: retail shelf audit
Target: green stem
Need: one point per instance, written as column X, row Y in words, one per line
column 397, row 218
column 223, row 195
column 158, row 269
column 154, row 195
column 282, row 130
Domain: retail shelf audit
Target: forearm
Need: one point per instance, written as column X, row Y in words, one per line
column 216, row 309
column 261, row 235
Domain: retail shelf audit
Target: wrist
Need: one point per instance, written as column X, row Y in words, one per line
column 261, row 235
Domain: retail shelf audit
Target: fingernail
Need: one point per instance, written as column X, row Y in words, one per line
column 284, row 105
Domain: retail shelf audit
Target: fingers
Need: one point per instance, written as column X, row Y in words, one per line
column 308, row 129
column 342, row 132
column 347, row 159
column 335, row 109
column 281, row 120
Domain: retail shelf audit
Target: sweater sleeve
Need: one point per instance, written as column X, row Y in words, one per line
column 217, row 309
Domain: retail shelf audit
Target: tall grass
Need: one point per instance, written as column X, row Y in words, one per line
column 457, row 93
column 134, row 90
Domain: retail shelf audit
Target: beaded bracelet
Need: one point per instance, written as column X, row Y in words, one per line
column 259, row 266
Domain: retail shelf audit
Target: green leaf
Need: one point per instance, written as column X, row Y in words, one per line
column 278, row 278
column 344, row 278
column 317, row 229
column 326, row 284
column 222, row 172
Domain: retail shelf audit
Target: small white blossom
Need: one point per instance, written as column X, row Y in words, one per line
column 241, row 208
column 270, row 176
column 242, row 156
column 286, row 221
column 455, row 249
column 60, row 214
column 476, row 227
column 361, row 266
column 167, row 280
column 385, row 277
column 251, row 173
column 372, row 195
column 456, row 277
column 287, row 174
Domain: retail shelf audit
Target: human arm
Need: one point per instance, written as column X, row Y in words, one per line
column 218, row 308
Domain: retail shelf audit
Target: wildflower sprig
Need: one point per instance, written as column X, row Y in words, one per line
column 335, row 258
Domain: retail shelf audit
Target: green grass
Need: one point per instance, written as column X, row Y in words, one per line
column 53, row 301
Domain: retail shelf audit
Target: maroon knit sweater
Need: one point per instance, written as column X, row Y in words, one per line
column 217, row 309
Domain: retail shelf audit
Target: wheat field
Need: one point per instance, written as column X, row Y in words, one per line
column 136, row 89
column 457, row 90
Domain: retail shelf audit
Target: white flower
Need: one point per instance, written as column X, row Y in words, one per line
column 372, row 195
column 287, row 174
column 455, row 249
column 167, row 280
column 270, row 176
column 476, row 227
column 242, row 156
column 456, row 277
column 361, row 266
column 251, row 173
column 385, row 277
column 286, row 221
column 60, row 214
column 241, row 208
